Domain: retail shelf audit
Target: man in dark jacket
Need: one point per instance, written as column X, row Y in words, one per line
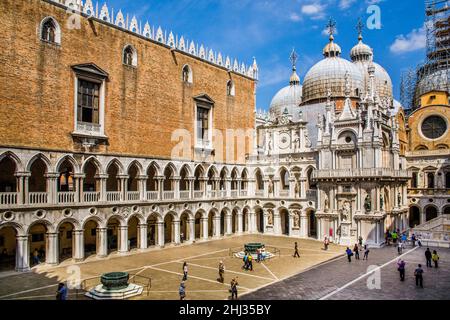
column 428, row 256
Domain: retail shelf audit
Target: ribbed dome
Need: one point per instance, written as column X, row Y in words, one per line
column 332, row 49
column 361, row 52
column 330, row 73
column 436, row 81
column 288, row 98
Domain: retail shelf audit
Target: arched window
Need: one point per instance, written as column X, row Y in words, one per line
column 187, row 74
column 130, row 56
column 430, row 178
column 50, row 31
column 230, row 88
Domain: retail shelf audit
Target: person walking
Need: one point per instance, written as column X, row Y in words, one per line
column 221, row 272
column 185, row 271
column 349, row 254
column 233, row 289
column 61, row 293
column 250, row 262
column 360, row 242
column 326, row 243
column 394, row 237
column 413, row 240
column 428, row 257
column 435, row 258
column 366, row 252
column 418, row 273
column 404, row 238
column 245, row 259
column 356, row 251
column 401, row 268
column 296, row 254
column 400, row 247
column 182, row 290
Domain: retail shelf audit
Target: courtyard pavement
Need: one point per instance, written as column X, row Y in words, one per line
column 164, row 267
column 341, row 280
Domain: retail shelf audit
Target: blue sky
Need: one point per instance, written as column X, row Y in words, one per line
column 269, row 29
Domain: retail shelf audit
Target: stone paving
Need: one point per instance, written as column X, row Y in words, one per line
column 341, row 280
column 164, row 267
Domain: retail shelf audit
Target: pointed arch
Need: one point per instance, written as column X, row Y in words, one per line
column 116, row 162
column 129, row 56
column 93, row 160
column 39, row 156
column 71, row 160
column 50, row 31
column 14, row 158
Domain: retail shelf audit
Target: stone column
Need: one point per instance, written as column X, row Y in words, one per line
column 79, row 178
column 52, row 252
column 123, row 239
column 142, row 187
column 102, row 178
column 216, row 226
column 22, row 254
column 303, row 225
column 176, row 187
column 276, row 222
column 142, row 236
column 291, row 223
column 205, row 227
column 19, row 188
column 251, row 187
column 191, row 223
column 160, row 180
column 303, row 188
column 78, row 245
column 176, row 231
column 160, row 234
column 52, row 187
column 102, row 242
column 228, row 223
column 292, row 182
column 26, row 197
column 240, row 224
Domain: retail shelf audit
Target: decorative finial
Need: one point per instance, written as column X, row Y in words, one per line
column 360, row 28
column 293, row 57
column 331, row 26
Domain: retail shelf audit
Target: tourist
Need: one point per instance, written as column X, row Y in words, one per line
column 61, row 293
column 182, row 290
column 326, row 243
column 404, row 238
column 401, row 268
column 181, row 237
column 185, row 271
column 349, row 254
column 388, row 238
column 233, row 289
column 366, row 252
column 296, row 254
column 435, row 258
column 418, row 273
column 413, row 240
column 394, row 237
column 356, row 251
column 36, row 257
column 428, row 257
column 400, row 247
column 221, row 272
column 258, row 255
column 250, row 262
column 360, row 241
column 245, row 259
column 263, row 253
column 419, row 242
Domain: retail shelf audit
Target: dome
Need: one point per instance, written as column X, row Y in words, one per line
column 330, row 73
column 361, row 52
column 332, row 49
column 438, row 80
column 288, row 98
column 383, row 82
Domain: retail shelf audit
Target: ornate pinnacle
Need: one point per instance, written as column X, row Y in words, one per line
column 360, row 28
column 331, row 26
column 293, row 57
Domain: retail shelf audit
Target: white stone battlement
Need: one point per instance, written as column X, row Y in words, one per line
column 180, row 43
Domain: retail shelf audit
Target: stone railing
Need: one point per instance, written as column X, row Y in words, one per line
column 361, row 173
column 37, row 197
column 7, row 198
column 113, row 196
column 133, row 195
column 169, row 195
column 152, row 195
column 428, row 191
column 186, row 194
column 66, row 197
column 198, row 194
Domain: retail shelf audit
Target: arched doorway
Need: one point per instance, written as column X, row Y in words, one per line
column 37, row 236
column 211, row 224
column 198, row 225
column 312, row 220
column 259, row 219
column 65, row 241
column 133, row 233
column 8, row 244
column 168, row 226
column 37, row 182
column 184, row 227
column 414, row 216
column 284, row 215
column 113, row 235
column 430, row 213
column 90, row 238
column 152, row 230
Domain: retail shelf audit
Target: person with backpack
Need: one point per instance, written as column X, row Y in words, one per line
column 413, row 240
column 428, row 257
column 435, row 258
column 401, row 268
column 221, row 272
column 185, row 271
column 250, row 262
column 366, row 252
column 245, row 260
column 418, row 273
column 349, row 254
column 356, row 251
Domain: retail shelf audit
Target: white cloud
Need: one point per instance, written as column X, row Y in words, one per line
column 315, row 10
column 415, row 40
column 295, row 17
column 345, row 4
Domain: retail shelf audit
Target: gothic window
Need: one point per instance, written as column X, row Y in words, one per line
column 50, row 31
column 88, row 101
column 130, row 56
column 447, row 180
column 430, row 178
column 415, row 179
column 187, row 74
column 434, row 127
column 230, row 88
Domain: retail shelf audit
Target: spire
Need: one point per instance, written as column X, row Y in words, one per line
column 347, row 112
column 331, row 27
column 295, row 79
column 360, row 28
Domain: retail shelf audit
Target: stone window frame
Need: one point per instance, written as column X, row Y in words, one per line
column 190, row 79
column 231, row 88
column 58, row 33
column 134, row 61
column 434, row 114
column 206, row 103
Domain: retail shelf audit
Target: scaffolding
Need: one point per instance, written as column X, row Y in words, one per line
column 434, row 74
